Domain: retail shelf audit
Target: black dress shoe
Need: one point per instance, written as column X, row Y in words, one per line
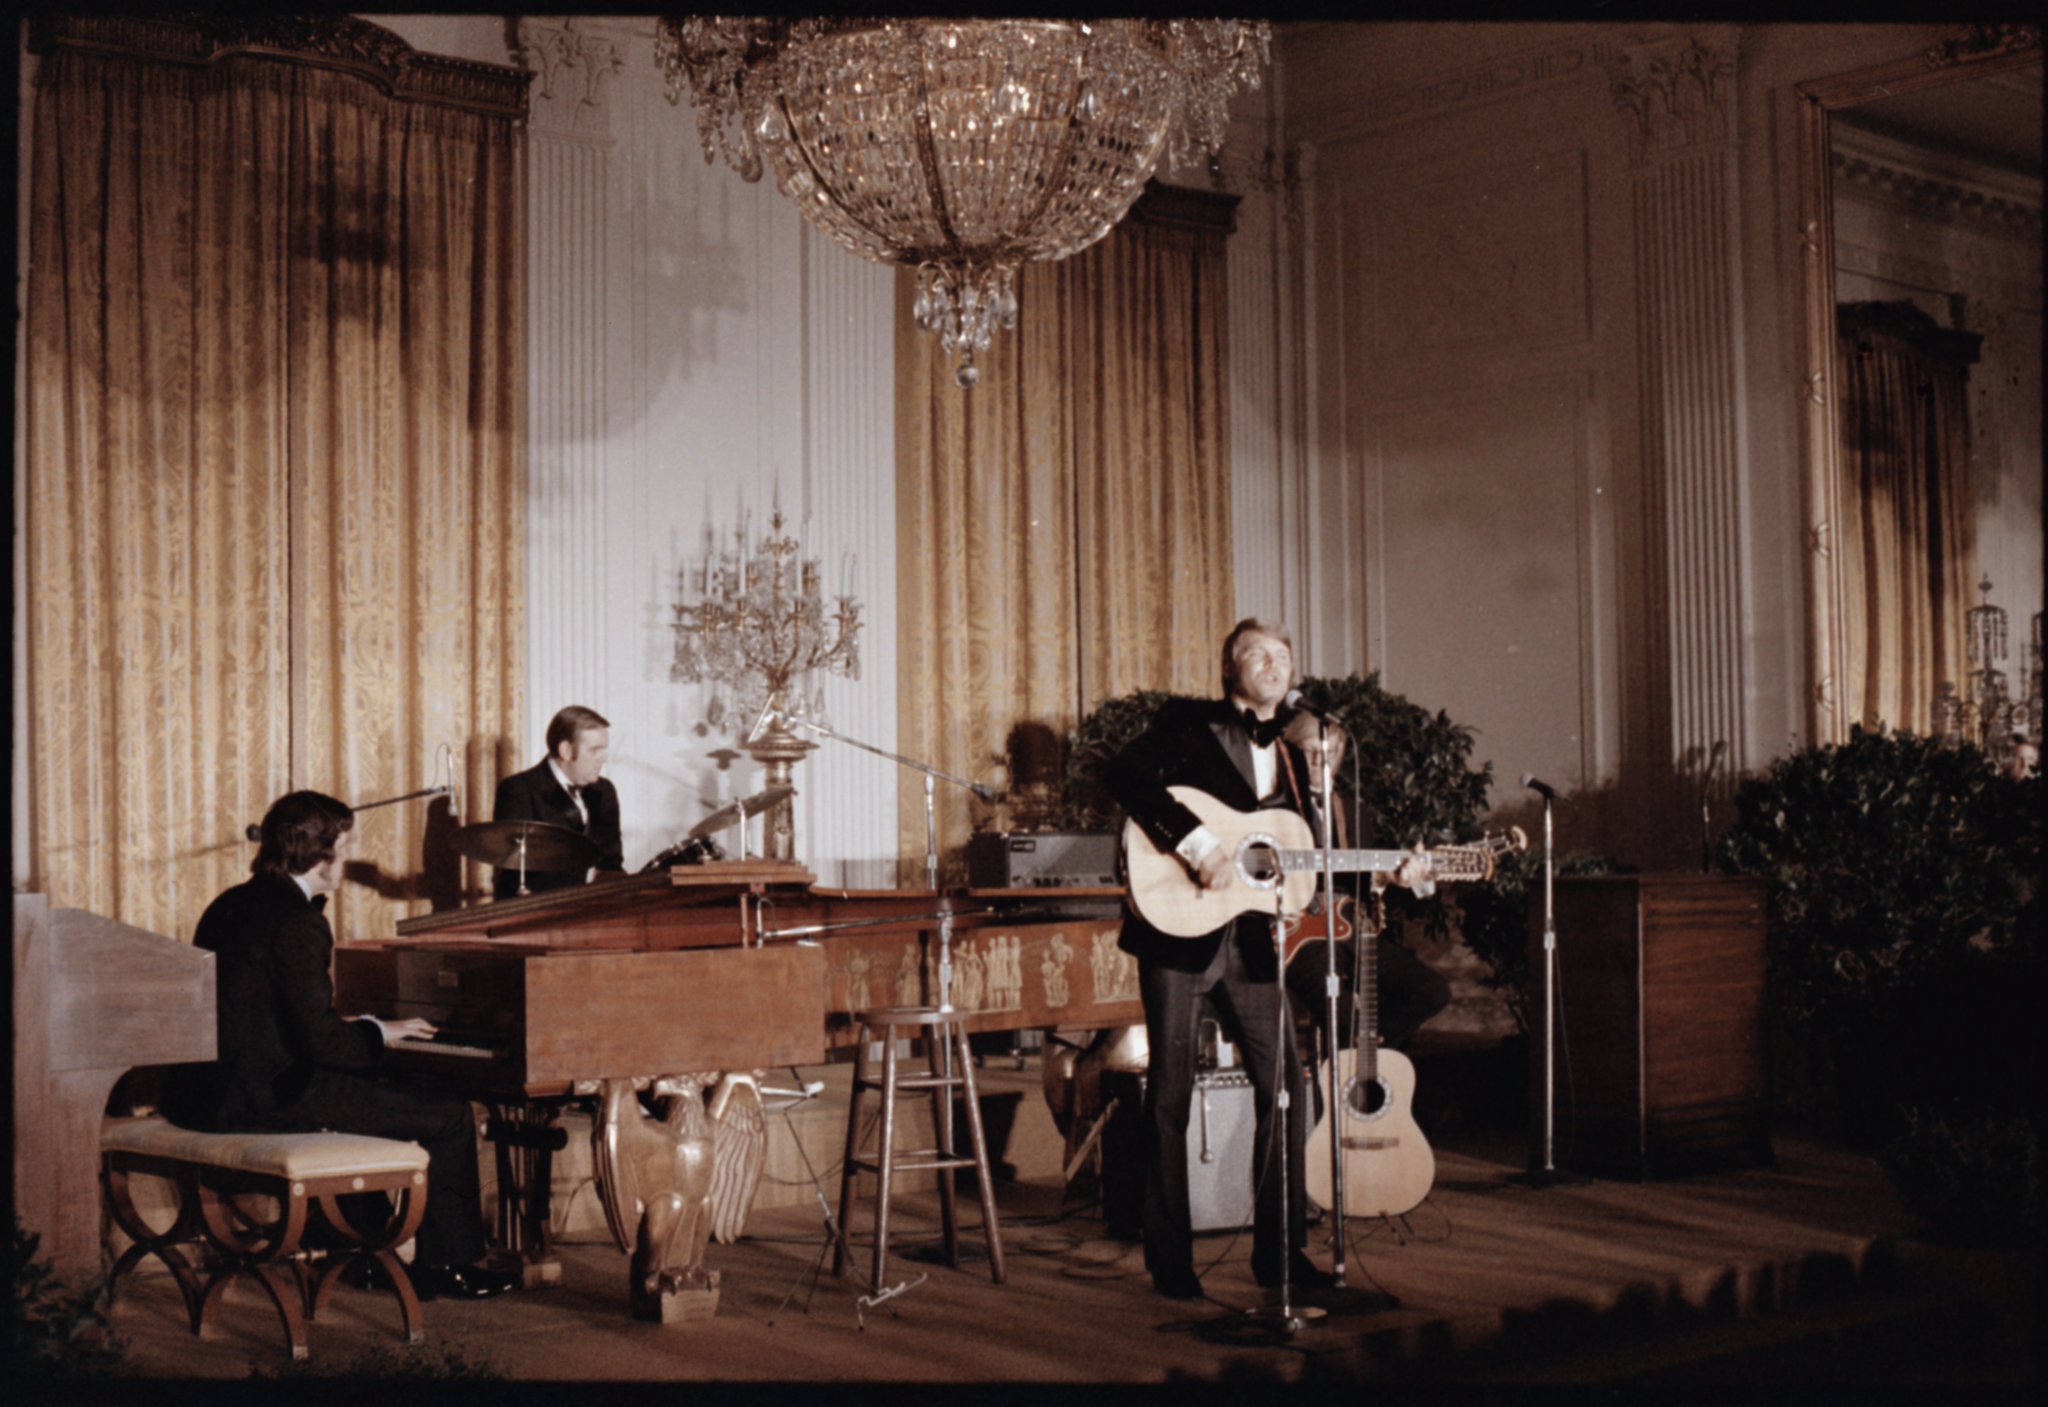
column 1178, row 1284
column 459, row 1282
column 1302, row 1274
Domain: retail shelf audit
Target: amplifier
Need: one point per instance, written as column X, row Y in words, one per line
column 1042, row 860
column 1222, row 1127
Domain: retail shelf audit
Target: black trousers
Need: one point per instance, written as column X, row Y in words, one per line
column 1250, row 1015
column 451, row 1229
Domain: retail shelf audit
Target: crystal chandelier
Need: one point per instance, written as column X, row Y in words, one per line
column 962, row 148
column 1984, row 713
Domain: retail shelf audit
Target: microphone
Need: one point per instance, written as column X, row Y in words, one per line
column 446, row 759
column 1295, row 701
column 1714, row 760
column 1543, row 789
column 984, row 792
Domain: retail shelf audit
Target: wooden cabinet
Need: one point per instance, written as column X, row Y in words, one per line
column 1660, row 1034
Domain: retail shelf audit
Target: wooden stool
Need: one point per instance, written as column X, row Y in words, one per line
column 213, row 1172
column 943, row 1035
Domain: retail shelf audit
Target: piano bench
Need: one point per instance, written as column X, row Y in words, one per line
column 244, row 1202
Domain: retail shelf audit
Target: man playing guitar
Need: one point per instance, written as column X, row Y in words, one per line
column 1233, row 749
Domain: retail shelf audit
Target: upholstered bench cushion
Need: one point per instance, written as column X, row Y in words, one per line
column 292, row 1156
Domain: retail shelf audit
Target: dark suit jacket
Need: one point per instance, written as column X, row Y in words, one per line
column 535, row 795
column 1197, row 743
column 277, row 1026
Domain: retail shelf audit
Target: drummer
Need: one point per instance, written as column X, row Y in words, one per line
column 565, row 788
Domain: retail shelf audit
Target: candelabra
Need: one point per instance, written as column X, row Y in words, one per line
column 751, row 620
column 1984, row 712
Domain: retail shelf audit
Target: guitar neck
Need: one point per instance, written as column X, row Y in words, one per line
column 1345, row 861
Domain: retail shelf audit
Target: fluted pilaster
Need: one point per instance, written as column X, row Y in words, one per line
column 1676, row 97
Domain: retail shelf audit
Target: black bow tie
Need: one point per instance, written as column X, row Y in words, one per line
column 319, row 902
column 1264, row 731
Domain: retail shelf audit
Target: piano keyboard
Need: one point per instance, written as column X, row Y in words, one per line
column 431, row 1046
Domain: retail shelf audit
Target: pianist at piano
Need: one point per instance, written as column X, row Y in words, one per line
column 565, row 788
column 289, row 1062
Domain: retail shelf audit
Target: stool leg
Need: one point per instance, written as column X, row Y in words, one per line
column 938, row 1058
column 990, row 1223
column 840, row 1250
column 167, row 1247
column 886, row 1157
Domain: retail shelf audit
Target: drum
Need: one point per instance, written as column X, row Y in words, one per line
column 694, row 851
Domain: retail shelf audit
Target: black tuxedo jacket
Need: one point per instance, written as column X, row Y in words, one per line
column 535, row 795
column 277, row 1026
column 1197, row 743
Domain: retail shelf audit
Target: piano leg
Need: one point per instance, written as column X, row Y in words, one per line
column 526, row 1139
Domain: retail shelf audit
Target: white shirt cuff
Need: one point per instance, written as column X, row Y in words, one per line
column 1196, row 846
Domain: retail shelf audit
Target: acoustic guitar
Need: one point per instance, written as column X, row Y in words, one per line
column 1273, row 865
column 1386, row 1163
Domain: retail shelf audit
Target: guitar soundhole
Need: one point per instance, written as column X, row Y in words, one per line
column 1258, row 862
column 1365, row 1099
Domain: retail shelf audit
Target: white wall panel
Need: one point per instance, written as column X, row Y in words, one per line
column 699, row 359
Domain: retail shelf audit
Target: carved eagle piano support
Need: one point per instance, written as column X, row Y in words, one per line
column 671, row 1182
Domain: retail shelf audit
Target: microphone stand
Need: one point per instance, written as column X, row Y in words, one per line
column 1706, row 809
column 1283, row 1318
column 931, row 828
column 931, row 872
column 1548, row 1175
column 1330, row 1000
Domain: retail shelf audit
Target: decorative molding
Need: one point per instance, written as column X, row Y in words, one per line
column 1934, row 197
column 1676, row 93
column 1477, row 85
column 572, row 67
column 202, row 39
column 1984, row 41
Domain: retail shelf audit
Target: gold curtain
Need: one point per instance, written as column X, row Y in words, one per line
column 1064, row 527
column 1908, row 540
column 275, row 472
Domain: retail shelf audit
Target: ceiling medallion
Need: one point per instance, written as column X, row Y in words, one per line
column 962, row 148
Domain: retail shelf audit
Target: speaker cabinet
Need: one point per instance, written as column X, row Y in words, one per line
column 1221, row 1130
column 1660, row 1031
column 1042, row 860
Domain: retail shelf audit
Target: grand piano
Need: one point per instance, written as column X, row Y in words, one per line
column 728, row 965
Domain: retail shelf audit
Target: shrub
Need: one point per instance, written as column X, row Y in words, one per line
column 60, row 1330
column 1969, row 1174
column 1892, row 862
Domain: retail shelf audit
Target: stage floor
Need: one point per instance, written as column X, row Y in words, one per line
column 1801, row 1270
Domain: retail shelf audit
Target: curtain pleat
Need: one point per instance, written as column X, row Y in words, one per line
column 1063, row 527
column 1908, row 541
column 275, row 463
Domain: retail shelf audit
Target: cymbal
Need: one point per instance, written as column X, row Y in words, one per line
column 548, row 846
column 727, row 816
